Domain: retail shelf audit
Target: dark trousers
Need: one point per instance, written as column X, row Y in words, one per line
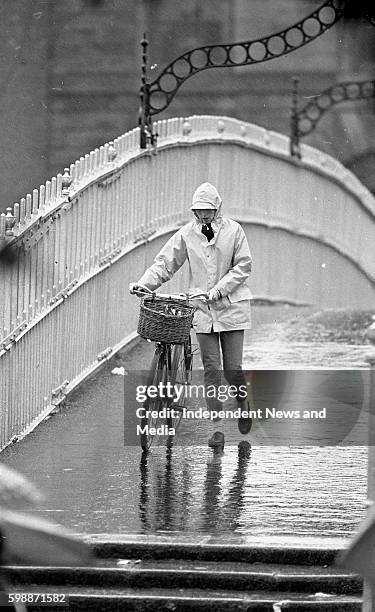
column 229, row 344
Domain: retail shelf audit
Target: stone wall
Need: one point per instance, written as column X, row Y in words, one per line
column 24, row 116
column 78, row 87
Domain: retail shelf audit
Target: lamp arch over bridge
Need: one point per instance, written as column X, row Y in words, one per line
column 348, row 91
column 157, row 95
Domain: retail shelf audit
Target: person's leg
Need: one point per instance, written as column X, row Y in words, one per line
column 232, row 349
column 210, row 353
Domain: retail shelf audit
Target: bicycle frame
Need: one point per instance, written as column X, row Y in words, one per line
column 170, row 362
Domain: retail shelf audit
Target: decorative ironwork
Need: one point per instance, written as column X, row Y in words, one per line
column 66, row 181
column 144, row 114
column 305, row 120
column 295, row 150
column 157, row 95
column 112, row 152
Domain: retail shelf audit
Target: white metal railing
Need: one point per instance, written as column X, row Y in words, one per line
column 80, row 238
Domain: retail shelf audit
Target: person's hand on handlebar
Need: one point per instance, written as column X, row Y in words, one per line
column 137, row 288
column 213, row 295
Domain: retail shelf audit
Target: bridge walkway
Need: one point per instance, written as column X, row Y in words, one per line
column 95, row 484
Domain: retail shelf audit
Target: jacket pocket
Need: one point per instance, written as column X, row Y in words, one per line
column 240, row 293
column 221, row 304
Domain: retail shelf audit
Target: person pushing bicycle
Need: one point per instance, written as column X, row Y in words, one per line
column 220, row 263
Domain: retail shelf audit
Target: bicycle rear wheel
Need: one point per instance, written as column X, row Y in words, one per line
column 149, row 422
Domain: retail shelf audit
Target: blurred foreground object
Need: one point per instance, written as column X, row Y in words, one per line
column 360, row 555
column 16, row 491
column 27, row 539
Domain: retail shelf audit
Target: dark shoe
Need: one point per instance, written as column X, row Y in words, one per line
column 216, row 440
column 244, row 425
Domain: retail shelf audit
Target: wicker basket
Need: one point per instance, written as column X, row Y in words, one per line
column 164, row 320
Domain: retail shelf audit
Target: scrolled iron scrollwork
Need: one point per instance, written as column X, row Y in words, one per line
column 241, row 53
column 305, row 120
column 312, row 112
column 157, row 95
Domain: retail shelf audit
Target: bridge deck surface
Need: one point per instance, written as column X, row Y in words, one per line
column 96, row 484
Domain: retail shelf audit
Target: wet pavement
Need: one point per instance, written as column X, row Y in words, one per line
column 270, row 490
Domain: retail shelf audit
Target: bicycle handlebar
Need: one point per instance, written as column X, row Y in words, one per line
column 176, row 296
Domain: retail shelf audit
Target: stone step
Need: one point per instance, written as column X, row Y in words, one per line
column 198, row 572
column 209, row 548
column 177, row 573
column 182, row 600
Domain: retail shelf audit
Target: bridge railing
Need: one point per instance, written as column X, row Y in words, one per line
column 80, row 238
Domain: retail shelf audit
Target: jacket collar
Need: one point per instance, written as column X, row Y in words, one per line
column 216, row 226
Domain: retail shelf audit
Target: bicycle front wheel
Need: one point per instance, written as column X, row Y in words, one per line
column 181, row 368
column 153, row 406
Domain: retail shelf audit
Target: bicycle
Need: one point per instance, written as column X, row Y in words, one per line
column 166, row 319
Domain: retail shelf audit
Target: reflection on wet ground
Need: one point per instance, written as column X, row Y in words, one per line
column 261, row 491
column 95, row 485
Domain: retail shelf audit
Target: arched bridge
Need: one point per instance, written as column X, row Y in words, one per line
column 79, row 239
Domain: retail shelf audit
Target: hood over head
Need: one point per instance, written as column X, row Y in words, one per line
column 206, row 196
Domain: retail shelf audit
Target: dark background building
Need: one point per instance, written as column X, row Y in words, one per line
column 70, row 77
